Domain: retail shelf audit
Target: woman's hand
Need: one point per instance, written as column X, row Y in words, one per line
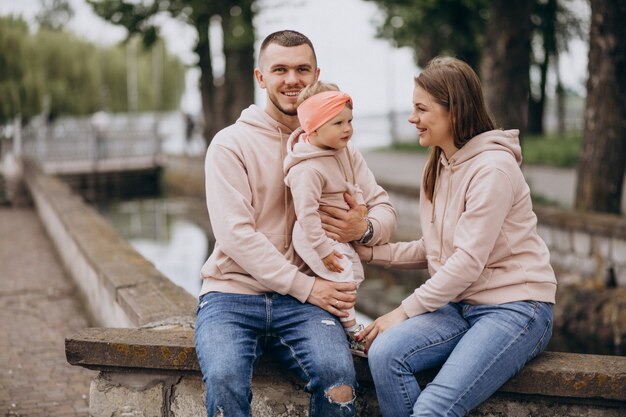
column 385, row 322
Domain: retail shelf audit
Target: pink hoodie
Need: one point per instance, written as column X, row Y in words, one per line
column 252, row 213
column 480, row 240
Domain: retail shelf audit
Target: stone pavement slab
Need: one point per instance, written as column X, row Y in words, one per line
column 39, row 307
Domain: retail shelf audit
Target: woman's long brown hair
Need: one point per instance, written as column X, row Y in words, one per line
column 454, row 85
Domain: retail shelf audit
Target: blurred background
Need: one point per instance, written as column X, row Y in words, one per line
column 74, row 57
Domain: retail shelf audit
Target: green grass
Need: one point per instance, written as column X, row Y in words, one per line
column 549, row 149
column 554, row 150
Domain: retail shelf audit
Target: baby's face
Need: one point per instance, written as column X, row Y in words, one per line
column 335, row 133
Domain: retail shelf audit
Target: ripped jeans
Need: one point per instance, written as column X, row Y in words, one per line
column 234, row 330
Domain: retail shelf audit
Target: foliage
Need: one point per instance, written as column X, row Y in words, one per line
column 222, row 99
column 54, row 14
column 457, row 27
column 431, row 28
column 21, row 88
column 552, row 149
column 55, row 72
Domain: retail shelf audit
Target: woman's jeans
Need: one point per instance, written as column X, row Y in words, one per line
column 234, row 330
column 479, row 347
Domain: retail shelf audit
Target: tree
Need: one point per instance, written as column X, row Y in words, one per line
column 473, row 30
column 54, row 14
column 222, row 100
column 601, row 168
column 553, row 25
column 21, row 88
column 431, row 28
column 53, row 71
column 506, row 62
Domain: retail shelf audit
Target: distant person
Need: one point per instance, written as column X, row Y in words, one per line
column 189, row 130
column 257, row 295
column 12, row 173
column 486, row 309
column 319, row 169
column 100, row 122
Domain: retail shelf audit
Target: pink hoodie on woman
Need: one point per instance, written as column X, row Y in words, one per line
column 480, row 241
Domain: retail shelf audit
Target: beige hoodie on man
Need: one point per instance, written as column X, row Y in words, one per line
column 252, row 214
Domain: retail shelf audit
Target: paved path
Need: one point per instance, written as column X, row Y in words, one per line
column 39, row 307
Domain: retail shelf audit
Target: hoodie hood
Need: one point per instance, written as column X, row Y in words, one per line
column 298, row 150
column 493, row 140
column 256, row 117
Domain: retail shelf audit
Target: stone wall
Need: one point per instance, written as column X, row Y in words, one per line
column 147, row 361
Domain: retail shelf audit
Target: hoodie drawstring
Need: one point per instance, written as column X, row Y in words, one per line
column 285, row 199
column 432, row 212
column 445, row 207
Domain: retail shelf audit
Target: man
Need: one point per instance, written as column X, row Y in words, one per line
column 256, row 296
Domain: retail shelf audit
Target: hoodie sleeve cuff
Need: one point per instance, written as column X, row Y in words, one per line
column 412, row 307
column 325, row 249
column 302, row 287
column 381, row 255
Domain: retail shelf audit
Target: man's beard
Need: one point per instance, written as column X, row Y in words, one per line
column 280, row 108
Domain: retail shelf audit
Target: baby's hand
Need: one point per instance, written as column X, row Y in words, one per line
column 331, row 262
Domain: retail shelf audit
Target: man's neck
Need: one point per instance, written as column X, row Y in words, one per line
column 291, row 122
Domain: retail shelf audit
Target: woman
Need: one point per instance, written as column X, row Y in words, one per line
column 486, row 309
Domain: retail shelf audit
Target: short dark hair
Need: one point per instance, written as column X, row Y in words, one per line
column 287, row 38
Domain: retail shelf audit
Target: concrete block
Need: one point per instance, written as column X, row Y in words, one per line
column 187, row 398
column 602, row 247
column 619, row 251
column 128, row 395
column 562, row 240
column 581, row 243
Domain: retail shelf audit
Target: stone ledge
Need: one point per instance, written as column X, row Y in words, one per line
column 101, row 262
column 552, row 374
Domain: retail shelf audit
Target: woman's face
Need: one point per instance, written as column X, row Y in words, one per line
column 432, row 121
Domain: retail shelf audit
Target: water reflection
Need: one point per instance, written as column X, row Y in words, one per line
column 159, row 231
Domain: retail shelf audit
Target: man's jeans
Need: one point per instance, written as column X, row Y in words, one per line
column 479, row 346
column 233, row 330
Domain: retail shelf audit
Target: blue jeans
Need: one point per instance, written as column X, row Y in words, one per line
column 234, row 330
column 479, row 347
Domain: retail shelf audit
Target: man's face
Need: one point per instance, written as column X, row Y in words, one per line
column 284, row 72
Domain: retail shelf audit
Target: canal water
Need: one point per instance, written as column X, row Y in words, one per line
column 163, row 231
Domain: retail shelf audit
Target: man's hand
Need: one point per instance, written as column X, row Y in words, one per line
column 334, row 297
column 386, row 322
column 341, row 225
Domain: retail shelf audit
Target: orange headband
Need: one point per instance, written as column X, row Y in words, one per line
column 320, row 108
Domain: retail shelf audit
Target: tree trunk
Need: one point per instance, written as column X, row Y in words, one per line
column 207, row 87
column 506, row 62
column 601, row 167
column 239, row 52
column 537, row 106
